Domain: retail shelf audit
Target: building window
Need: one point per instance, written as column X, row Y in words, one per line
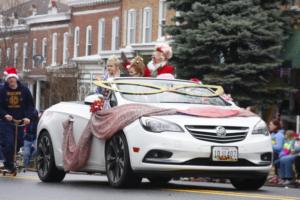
column 101, row 35
column 115, row 40
column 65, row 49
column 131, row 28
column 8, row 56
column 76, row 42
column 16, row 52
column 162, row 17
column 25, row 55
column 147, row 25
column 54, row 48
column 0, row 57
column 44, row 50
column 88, row 42
column 33, row 52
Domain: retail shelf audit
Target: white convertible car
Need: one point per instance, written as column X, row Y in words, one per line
column 162, row 147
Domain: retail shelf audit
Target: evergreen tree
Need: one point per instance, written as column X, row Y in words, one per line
column 233, row 43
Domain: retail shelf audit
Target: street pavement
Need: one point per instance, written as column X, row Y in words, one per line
column 27, row 186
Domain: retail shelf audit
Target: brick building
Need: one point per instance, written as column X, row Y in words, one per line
column 143, row 24
column 59, row 49
column 94, row 39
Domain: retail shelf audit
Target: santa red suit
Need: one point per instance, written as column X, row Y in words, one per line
column 159, row 63
column 154, row 70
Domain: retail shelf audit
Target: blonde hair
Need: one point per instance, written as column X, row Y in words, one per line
column 114, row 59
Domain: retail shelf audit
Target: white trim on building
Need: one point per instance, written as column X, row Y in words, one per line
column 88, row 12
column 79, row 3
column 38, row 19
column 43, row 28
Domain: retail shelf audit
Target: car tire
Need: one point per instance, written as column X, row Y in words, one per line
column 45, row 161
column 248, row 183
column 117, row 163
column 159, row 181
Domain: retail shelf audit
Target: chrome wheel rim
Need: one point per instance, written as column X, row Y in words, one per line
column 115, row 159
column 43, row 157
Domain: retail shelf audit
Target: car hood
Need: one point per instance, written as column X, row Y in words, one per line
column 183, row 119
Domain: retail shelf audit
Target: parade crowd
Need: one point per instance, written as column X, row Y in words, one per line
column 286, row 154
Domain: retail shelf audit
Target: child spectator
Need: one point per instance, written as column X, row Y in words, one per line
column 30, row 132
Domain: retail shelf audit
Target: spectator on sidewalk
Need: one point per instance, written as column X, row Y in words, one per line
column 287, row 157
column 277, row 136
column 30, row 132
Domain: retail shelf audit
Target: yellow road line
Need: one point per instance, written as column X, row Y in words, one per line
column 236, row 194
column 20, row 177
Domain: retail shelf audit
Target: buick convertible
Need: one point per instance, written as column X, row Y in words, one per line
column 208, row 136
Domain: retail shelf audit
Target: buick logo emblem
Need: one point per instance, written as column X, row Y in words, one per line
column 221, row 131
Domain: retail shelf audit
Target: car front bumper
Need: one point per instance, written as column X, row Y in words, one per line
column 191, row 156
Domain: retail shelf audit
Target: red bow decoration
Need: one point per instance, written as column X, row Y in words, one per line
column 96, row 105
column 159, row 49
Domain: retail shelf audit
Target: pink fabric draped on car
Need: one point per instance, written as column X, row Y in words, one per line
column 105, row 123
column 102, row 125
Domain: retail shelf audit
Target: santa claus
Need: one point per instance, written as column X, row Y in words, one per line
column 159, row 63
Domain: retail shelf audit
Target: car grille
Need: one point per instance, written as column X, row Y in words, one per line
column 209, row 133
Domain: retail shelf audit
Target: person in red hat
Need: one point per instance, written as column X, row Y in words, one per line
column 16, row 103
column 159, row 63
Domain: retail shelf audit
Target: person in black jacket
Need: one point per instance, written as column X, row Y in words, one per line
column 16, row 103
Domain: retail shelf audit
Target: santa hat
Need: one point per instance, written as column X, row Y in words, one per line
column 165, row 49
column 10, row 72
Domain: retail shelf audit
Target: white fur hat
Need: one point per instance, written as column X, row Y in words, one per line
column 165, row 49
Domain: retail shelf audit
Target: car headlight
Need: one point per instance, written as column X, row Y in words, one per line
column 159, row 125
column 261, row 128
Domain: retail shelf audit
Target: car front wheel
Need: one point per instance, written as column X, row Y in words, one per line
column 248, row 183
column 117, row 163
column 45, row 163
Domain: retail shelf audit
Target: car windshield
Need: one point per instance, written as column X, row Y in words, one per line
column 182, row 95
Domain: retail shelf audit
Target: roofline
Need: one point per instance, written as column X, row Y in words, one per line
column 37, row 19
column 77, row 3
column 15, row 28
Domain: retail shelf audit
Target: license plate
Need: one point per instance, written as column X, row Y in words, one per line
column 225, row 154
